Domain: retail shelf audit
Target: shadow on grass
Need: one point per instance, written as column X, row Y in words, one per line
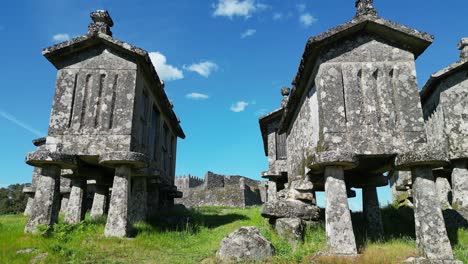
column 182, row 219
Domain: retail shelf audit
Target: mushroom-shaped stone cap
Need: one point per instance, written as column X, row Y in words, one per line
column 118, row 158
column 425, row 156
column 344, row 159
column 42, row 158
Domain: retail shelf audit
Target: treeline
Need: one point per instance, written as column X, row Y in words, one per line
column 12, row 199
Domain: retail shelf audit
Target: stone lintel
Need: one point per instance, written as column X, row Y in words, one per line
column 424, row 157
column 343, row 159
column 43, row 159
column 118, row 158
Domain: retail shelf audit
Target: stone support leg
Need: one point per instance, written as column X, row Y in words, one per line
column 460, row 185
column 443, row 192
column 99, row 201
column 75, row 211
column 118, row 224
column 272, row 191
column 371, row 211
column 153, row 198
column 29, row 205
column 64, row 202
column 139, row 199
column 431, row 235
column 339, row 228
column 46, row 200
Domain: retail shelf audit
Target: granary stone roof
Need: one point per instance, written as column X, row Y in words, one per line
column 435, row 78
column 365, row 20
column 99, row 32
column 264, row 121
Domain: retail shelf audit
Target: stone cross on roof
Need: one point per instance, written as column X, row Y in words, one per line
column 102, row 22
column 365, row 8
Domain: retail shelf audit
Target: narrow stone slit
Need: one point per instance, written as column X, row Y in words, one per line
column 114, row 88
column 72, row 102
column 344, row 96
column 85, row 100
column 379, row 98
column 98, row 104
column 394, row 95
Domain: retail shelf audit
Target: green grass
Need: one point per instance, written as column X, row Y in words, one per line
column 196, row 238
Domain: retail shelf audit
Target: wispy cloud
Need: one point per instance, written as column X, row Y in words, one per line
column 61, row 37
column 239, row 106
column 261, row 112
column 165, row 71
column 232, row 8
column 301, row 8
column 248, row 33
column 277, row 16
column 204, row 68
column 21, row 124
column 307, row 19
column 197, row 96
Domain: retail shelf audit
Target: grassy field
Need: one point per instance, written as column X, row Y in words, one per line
column 194, row 236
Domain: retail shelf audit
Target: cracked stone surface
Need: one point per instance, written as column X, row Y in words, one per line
column 245, row 244
column 444, row 193
column 118, row 222
column 460, row 184
column 291, row 229
column 75, row 210
column 99, row 201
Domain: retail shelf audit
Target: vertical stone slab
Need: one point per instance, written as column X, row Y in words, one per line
column 431, row 235
column 75, row 211
column 46, row 200
column 99, row 201
column 64, row 202
column 460, row 184
column 371, row 211
column 272, row 191
column 139, row 199
column 117, row 220
column 29, row 205
column 339, row 228
column 443, row 192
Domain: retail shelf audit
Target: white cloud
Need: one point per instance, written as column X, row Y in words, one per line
column 61, row 37
column 277, row 16
column 248, row 33
column 231, row 8
column 197, row 96
column 204, row 68
column 165, row 71
column 19, row 123
column 239, row 106
column 307, row 19
column 301, row 8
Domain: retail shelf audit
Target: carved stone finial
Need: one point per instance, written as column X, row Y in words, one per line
column 463, row 47
column 285, row 91
column 365, row 8
column 102, row 22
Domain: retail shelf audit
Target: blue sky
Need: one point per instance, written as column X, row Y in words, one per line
column 224, row 62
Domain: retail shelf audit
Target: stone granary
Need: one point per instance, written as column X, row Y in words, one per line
column 219, row 190
column 111, row 122
column 444, row 100
column 353, row 114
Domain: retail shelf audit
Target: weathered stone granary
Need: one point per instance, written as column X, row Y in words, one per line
column 353, row 114
column 444, row 100
column 111, row 122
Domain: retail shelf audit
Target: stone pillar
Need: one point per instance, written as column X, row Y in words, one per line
column 75, row 211
column 64, row 202
column 460, row 184
column 443, row 192
column 29, row 205
column 431, row 235
column 339, row 228
column 46, row 204
column 271, row 191
column 371, row 211
column 153, row 197
column 99, row 201
column 139, row 199
column 117, row 220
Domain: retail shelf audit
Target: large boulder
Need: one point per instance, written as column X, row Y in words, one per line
column 246, row 243
column 290, row 208
column 291, row 229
